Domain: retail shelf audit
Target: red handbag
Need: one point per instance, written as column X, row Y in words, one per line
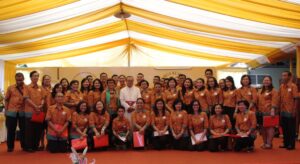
column 38, row 117
column 102, row 141
column 79, row 144
column 269, row 121
column 57, row 126
column 138, row 140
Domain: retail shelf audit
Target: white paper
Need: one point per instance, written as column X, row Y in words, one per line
column 156, row 133
column 123, row 138
column 198, row 138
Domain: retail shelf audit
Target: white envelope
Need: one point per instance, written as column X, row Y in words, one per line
column 123, row 138
column 198, row 136
column 156, row 133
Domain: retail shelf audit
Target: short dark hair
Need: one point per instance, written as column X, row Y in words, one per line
column 87, row 111
column 110, row 79
column 170, row 79
column 121, row 107
column 245, row 102
column 208, row 70
column 73, row 82
column 144, row 81
column 103, row 73
column 114, row 75
column 19, row 74
column 176, row 102
column 141, row 74
column 213, row 111
column 288, row 72
column 156, row 77
column 31, row 73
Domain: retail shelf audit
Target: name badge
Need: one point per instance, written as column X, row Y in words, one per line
column 245, row 119
column 39, row 90
column 64, row 113
column 164, row 117
column 144, row 116
column 289, row 89
column 223, row 121
column 249, row 93
column 267, row 93
column 216, row 93
column 191, row 92
column 180, row 115
column 231, row 92
column 202, row 94
column 201, row 119
column 147, row 96
column 85, row 119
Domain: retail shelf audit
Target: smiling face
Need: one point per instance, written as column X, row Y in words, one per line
column 172, row 84
column 159, row 105
column 99, row 106
column 86, row 83
column 211, row 82
column 178, row 106
column 35, row 77
column 246, row 81
column 187, row 84
column 59, row 89
column 83, row 107
column 75, row 86
column 139, row 104
column 59, row 98
column 196, row 107
column 267, row 82
column 144, row 85
column 242, row 107
column 121, row 112
column 47, row 81
column 218, row 109
column 199, row 84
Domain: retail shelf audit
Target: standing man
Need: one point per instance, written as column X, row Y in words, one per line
column 14, row 105
column 35, row 100
column 103, row 79
column 208, row 73
column 139, row 78
column 128, row 97
column 288, row 94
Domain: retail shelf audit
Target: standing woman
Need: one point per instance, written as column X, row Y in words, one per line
column 198, row 124
column 215, row 93
column 229, row 98
column 202, row 95
column 58, row 118
column 267, row 106
column 187, row 94
column 98, row 121
column 171, row 94
column 248, row 93
column 65, row 84
column 51, row 99
column 141, row 120
column 160, row 124
column 80, row 121
column 73, row 96
column 35, row 100
column 95, row 93
column 157, row 93
column 146, row 94
column 84, row 89
column 219, row 125
column 178, row 126
column 46, row 84
column 90, row 79
column 245, row 126
column 222, row 84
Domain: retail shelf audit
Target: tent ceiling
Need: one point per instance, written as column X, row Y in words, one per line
column 157, row 33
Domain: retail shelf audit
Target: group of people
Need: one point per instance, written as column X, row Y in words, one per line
column 178, row 113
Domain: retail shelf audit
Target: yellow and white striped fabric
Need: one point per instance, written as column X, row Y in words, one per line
column 157, row 33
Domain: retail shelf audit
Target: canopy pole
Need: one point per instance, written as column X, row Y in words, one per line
column 129, row 54
column 291, row 63
column 298, row 61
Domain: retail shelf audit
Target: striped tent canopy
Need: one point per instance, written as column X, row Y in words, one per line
column 147, row 32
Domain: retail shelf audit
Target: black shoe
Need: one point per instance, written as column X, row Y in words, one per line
column 282, row 146
column 290, row 148
column 10, row 150
column 29, row 150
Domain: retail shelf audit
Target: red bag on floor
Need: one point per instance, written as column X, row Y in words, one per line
column 138, row 140
column 79, row 144
column 38, row 117
column 101, row 141
column 270, row 121
column 58, row 127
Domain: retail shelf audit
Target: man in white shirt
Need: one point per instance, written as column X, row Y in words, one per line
column 128, row 97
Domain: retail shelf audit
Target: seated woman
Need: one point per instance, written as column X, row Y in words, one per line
column 58, row 118
column 98, row 121
column 198, row 125
column 245, row 126
column 178, row 125
column 141, row 120
column 219, row 125
column 121, row 130
column 80, row 121
column 160, row 123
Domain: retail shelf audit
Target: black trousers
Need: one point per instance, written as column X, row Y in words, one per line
column 33, row 132
column 200, row 147
column 57, row 146
column 117, row 142
column 245, row 142
column 181, row 144
column 11, row 125
column 161, row 142
column 215, row 143
column 230, row 112
column 288, row 125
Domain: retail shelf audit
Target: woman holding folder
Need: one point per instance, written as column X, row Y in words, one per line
column 160, row 124
column 178, row 125
column 220, row 126
column 98, row 121
column 267, row 105
column 245, row 126
column 141, row 121
column 121, row 130
column 58, row 118
column 198, row 125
